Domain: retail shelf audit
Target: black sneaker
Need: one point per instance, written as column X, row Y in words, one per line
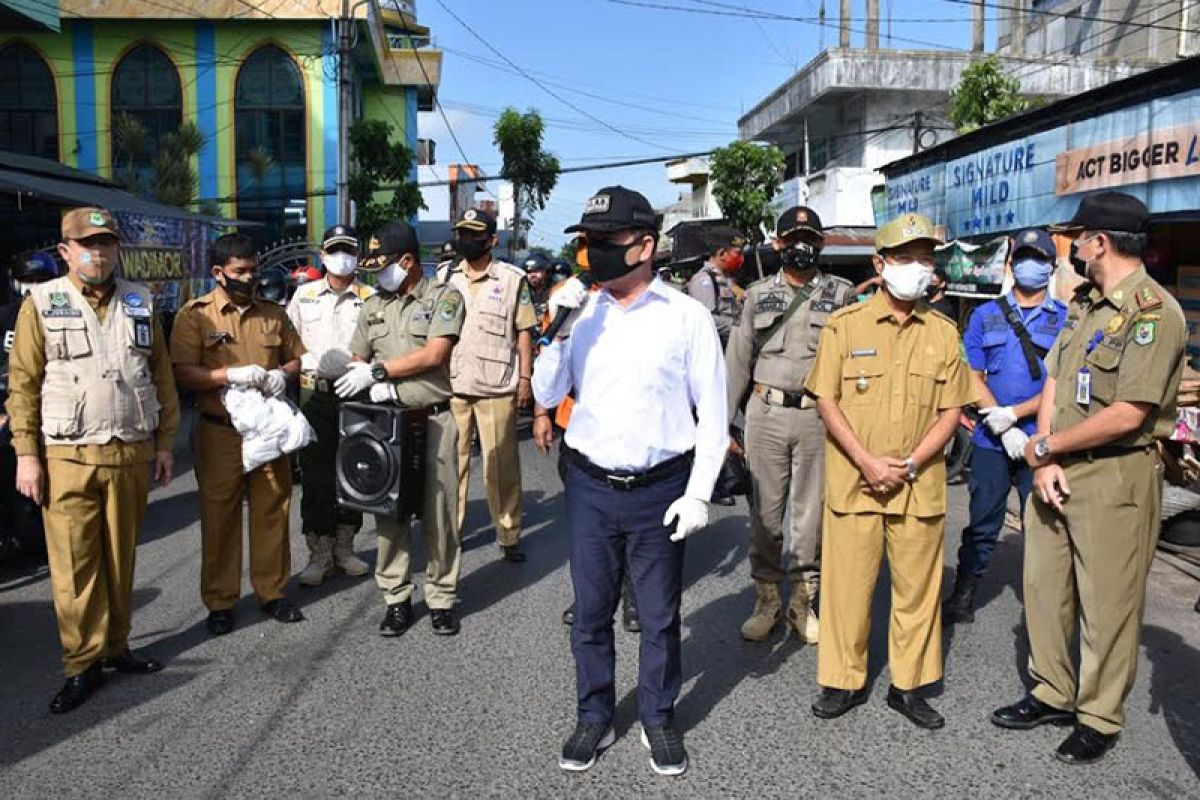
column 584, row 745
column 397, row 619
column 667, row 755
column 512, row 553
column 445, row 621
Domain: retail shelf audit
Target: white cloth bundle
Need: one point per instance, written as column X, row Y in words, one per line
column 270, row 426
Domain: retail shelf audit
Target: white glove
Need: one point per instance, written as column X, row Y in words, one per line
column 384, row 392
column 691, row 514
column 1014, row 441
column 999, row 418
column 572, row 294
column 356, row 380
column 274, row 383
column 249, row 375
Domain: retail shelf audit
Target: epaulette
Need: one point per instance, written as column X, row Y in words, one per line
column 760, row 282
column 517, row 270
column 933, row 312
column 1148, row 299
column 846, row 311
column 202, row 300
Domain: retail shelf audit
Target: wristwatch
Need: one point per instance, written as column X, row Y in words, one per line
column 1042, row 448
column 379, row 372
column 910, row 467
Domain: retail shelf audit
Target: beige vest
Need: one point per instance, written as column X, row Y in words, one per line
column 484, row 362
column 98, row 384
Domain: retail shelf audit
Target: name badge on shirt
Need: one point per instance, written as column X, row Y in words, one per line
column 137, row 312
column 141, row 332
column 1083, row 387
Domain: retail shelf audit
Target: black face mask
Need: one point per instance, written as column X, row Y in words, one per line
column 800, row 256
column 607, row 260
column 473, row 249
column 1078, row 263
column 239, row 292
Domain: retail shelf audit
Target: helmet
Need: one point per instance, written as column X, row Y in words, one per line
column 36, row 266
column 305, row 274
column 561, row 269
column 273, row 285
column 535, row 261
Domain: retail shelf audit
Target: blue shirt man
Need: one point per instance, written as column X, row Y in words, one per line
column 1005, row 343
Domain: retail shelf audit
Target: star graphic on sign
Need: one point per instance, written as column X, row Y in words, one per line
column 1009, row 217
column 978, row 223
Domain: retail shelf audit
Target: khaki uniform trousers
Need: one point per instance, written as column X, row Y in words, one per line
column 853, row 547
column 497, row 421
column 785, row 452
column 1087, row 568
column 93, row 519
column 393, row 566
column 223, row 487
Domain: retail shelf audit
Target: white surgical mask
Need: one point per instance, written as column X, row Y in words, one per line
column 391, row 276
column 340, row 264
column 906, row 282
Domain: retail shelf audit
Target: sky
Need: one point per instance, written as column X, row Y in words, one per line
column 644, row 81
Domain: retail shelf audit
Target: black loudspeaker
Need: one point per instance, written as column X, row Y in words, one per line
column 381, row 458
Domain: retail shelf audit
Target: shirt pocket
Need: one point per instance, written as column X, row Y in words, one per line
column 994, row 345
column 67, row 338
column 778, row 341
column 493, row 324
column 816, row 324
column 1102, row 364
column 862, row 382
column 61, row 411
column 925, row 383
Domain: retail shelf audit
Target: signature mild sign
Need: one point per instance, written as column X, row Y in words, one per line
column 1144, row 157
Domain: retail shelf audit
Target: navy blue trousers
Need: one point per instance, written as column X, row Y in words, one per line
column 609, row 528
column 993, row 473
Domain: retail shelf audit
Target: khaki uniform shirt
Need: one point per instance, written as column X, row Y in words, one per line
column 212, row 332
column 392, row 325
column 27, row 371
column 499, row 305
column 325, row 320
column 786, row 358
column 891, row 381
column 718, row 293
column 1131, row 341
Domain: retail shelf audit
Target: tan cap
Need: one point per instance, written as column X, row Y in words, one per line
column 905, row 229
column 80, row 223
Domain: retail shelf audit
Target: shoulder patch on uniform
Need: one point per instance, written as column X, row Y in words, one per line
column 1143, row 332
column 448, row 305
column 1147, row 298
column 525, row 298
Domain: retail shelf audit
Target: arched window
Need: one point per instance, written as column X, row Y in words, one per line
column 269, row 117
column 147, row 104
column 28, row 120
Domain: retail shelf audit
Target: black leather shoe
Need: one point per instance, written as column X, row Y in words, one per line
column 512, row 553
column 445, row 621
column 397, row 619
column 77, row 689
column 960, row 605
column 220, row 622
column 569, row 615
column 834, row 702
column 1029, row 712
column 1085, row 746
column 130, row 664
column 282, row 610
column 913, row 706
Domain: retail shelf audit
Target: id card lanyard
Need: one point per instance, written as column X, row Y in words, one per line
column 1083, row 380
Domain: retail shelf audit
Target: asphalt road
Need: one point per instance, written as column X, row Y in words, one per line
column 328, row 708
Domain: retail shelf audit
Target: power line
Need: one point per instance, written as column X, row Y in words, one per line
column 1073, row 15
column 524, row 73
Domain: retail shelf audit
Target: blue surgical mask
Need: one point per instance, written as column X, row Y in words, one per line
column 1032, row 274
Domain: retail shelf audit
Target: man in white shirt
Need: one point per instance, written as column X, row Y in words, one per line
column 644, row 446
column 325, row 314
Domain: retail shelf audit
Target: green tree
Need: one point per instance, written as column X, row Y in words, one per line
column 985, row 94
column 532, row 171
column 569, row 250
column 745, row 177
column 176, row 181
column 378, row 163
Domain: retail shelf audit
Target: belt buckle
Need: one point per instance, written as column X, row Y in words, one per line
column 622, row 483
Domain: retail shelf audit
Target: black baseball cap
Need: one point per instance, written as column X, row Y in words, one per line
column 722, row 237
column 393, row 238
column 799, row 219
column 616, row 208
column 477, row 219
column 340, row 234
column 1037, row 240
column 1110, row 211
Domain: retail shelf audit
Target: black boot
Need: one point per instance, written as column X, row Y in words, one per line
column 629, row 612
column 960, row 605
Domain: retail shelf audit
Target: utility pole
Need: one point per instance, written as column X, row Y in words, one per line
column 916, row 133
column 345, row 31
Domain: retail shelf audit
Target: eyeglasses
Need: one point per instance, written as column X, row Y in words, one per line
column 929, row 262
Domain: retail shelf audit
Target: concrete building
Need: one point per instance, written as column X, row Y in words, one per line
column 259, row 80
column 850, row 111
column 450, row 190
column 1151, row 31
